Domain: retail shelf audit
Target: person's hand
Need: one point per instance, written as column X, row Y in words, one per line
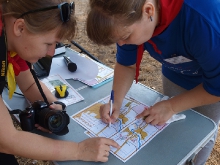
column 42, row 128
column 105, row 113
column 55, row 106
column 157, row 114
column 95, row 149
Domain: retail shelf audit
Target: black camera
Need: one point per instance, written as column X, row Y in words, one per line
column 39, row 113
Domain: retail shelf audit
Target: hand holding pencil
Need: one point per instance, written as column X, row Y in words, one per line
column 109, row 112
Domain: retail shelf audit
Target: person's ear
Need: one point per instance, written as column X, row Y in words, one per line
column 148, row 10
column 19, row 26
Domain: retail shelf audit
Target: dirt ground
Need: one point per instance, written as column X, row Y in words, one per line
column 150, row 73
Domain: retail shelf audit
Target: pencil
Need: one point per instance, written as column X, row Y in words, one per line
column 111, row 105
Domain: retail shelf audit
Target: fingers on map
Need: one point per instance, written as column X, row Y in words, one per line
column 130, row 133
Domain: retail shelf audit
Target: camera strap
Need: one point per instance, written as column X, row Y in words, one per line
column 38, row 83
column 41, row 90
column 3, row 59
column 3, row 55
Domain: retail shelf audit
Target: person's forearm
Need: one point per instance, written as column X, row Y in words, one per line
column 192, row 98
column 37, row 96
column 38, row 147
column 123, row 79
column 30, row 89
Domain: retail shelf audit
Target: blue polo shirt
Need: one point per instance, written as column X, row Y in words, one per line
column 190, row 47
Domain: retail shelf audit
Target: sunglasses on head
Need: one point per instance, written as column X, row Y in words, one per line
column 66, row 9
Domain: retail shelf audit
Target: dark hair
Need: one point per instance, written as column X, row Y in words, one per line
column 40, row 22
column 105, row 15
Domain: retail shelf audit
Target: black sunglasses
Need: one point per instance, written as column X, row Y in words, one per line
column 66, row 9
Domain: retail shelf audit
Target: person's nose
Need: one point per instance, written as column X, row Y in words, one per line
column 121, row 42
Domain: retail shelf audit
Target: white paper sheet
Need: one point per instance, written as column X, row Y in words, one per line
column 104, row 73
column 86, row 69
column 55, row 80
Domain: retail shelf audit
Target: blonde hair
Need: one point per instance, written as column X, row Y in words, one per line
column 43, row 21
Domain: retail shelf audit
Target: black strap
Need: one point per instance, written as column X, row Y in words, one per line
column 38, row 84
column 3, row 59
column 2, row 85
column 8, row 159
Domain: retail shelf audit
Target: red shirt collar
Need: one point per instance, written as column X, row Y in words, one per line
column 168, row 11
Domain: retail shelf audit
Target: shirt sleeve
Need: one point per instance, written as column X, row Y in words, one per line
column 204, row 45
column 126, row 54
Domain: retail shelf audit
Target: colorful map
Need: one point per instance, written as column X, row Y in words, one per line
column 130, row 133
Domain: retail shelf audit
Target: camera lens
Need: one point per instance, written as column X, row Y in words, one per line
column 55, row 121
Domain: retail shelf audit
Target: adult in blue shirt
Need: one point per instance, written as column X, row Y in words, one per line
column 183, row 35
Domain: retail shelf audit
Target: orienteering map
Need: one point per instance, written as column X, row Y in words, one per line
column 130, row 133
